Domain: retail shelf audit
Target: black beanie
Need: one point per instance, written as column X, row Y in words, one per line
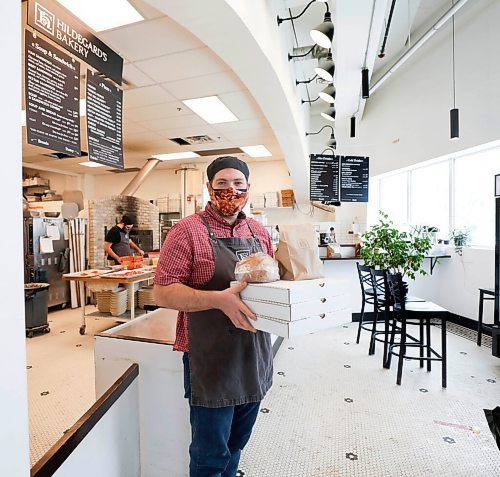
column 127, row 220
column 226, row 162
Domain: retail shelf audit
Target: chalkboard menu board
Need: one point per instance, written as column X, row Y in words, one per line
column 52, row 97
column 104, row 122
column 354, row 175
column 324, row 177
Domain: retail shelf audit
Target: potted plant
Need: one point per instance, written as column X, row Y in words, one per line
column 386, row 247
column 461, row 238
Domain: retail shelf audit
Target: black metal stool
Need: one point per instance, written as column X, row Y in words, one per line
column 421, row 314
column 367, row 297
column 484, row 294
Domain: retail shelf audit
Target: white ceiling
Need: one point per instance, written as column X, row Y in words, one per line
column 165, row 63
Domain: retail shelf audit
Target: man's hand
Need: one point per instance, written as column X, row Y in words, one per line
column 140, row 251
column 229, row 302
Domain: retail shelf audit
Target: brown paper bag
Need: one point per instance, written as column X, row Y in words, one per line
column 297, row 253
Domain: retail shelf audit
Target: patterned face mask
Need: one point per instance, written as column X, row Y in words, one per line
column 228, row 201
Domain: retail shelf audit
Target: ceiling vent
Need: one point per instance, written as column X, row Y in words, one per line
column 189, row 140
column 122, row 171
column 62, row 155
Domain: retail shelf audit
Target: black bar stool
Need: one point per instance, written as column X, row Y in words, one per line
column 484, row 294
column 367, row 297
column 415, row 313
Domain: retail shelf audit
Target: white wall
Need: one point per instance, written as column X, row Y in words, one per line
column 406, row 121
column 111, row 449
column 14, row 450
column 57, row 182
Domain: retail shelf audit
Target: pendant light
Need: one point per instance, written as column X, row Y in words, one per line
column 329, row 114
column 328, row 94
column 322, row 35
column 326, row 68
column 365, row 83
column 352, row 131
column 454, row 114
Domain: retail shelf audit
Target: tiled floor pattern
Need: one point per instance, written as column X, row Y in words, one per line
column 333, row 411
column 60, row 377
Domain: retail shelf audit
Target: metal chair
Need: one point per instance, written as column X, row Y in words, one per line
column 415, row 313
column 367, row 295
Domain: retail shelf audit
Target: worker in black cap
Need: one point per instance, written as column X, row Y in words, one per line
column 118, row 243
column 227, row 362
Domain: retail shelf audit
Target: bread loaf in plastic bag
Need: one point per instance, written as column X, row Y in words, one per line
column 257, row 268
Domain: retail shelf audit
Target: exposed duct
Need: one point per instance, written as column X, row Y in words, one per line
column 427, row 35
column 139, row 178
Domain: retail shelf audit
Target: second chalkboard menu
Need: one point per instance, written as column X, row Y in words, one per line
column 339, row 178
column 104, row 122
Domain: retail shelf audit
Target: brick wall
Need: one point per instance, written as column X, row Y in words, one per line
column 107, row 212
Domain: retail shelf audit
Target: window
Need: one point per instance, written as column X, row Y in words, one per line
column 474, row 195
column 394, row 197
column 421, row 196
column 430, row 197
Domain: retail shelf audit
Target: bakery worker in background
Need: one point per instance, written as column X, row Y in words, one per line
column 227, row 363
column 118, row 243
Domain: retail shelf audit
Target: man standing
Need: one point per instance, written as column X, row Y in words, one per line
column 118, row 242
column 227, row 363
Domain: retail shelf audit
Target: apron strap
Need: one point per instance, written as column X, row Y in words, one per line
column 257, row 241
column 210, row 234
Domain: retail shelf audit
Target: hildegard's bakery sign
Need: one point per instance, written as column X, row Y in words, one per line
column 49, row 18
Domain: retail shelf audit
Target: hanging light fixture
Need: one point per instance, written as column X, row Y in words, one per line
column 329, row 114
column 454, row 114
column 332, row 142
column 294, row 17
column 328, row 94
column 365, row 83
column 326, row 68
column 322, row 35
column 352, row 132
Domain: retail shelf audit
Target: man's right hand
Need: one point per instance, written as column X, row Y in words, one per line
column 234, row 308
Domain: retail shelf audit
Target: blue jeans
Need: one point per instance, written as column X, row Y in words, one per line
column 218, row 435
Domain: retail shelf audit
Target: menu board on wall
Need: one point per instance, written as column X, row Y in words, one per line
column 51, row 19
column 324, row 178
column 354, row 173
column 104, row 122
column 52, row 97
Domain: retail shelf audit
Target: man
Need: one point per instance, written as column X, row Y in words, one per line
column 227, row 363
column 118, row 242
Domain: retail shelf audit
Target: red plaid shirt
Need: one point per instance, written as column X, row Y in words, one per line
column 187, row 256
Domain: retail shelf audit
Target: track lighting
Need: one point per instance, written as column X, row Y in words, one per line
column 329, row 114
column 326, row 68
column 322, row 35
column 328, row 94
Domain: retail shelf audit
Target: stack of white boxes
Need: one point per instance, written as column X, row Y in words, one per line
column 293, row 308
column 258, row 201
column 272, row 199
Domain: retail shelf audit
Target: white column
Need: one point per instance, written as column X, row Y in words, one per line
column 14, row 441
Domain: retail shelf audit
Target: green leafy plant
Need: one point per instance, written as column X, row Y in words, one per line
column 461, row 238
column 386, row 247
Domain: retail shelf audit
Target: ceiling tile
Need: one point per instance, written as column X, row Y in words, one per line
column 170, row 123
column 134, row 98
column 135, row 77
column 151, row 39
column 255, row 124
column 242, row 104
column 186, row 64
column 204, row 85
column 158, row 111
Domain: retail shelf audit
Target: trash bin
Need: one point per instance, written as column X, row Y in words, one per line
column 36, row 306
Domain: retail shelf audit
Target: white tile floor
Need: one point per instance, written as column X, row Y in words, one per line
column 324, row 419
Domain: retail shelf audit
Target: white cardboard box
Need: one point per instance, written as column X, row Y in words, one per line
column 299, row 311
column 313, row 324
column 288, row 292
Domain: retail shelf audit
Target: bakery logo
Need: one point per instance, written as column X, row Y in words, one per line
column 44, row 19
column 241, row 254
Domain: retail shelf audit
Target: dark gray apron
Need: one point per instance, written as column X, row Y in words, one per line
column 122, row 248
column 228, row 366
